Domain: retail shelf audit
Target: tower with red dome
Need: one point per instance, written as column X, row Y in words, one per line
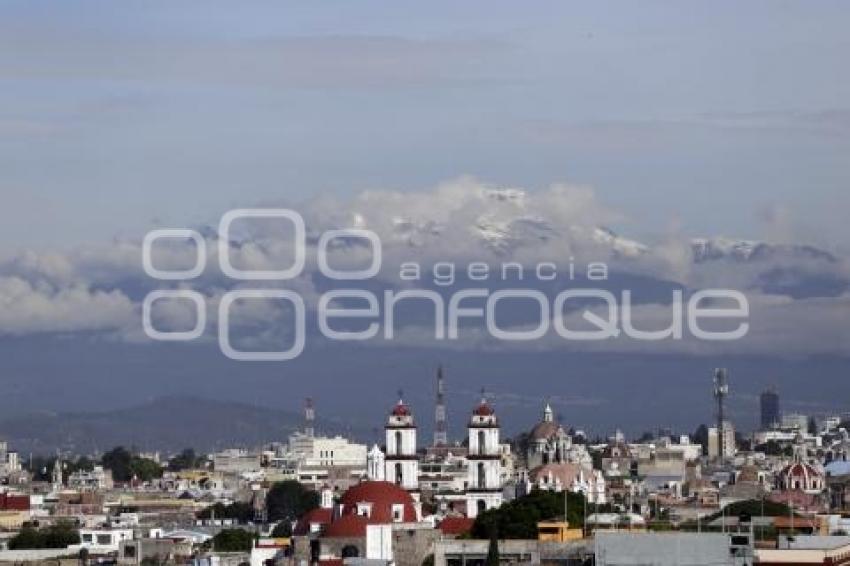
column 484, row 487
column 401, row 461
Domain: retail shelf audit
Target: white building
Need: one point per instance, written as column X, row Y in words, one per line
column 795, row 421
column 101, row 541
column 729, row 447
column 9, row 462
column 376, row 464
column 484, row 488
column 325, row 451
column 571, row 477
column 236, row 461
column 91, row 480
column 401, row 463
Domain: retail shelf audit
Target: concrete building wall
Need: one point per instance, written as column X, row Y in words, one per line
column 412, row 546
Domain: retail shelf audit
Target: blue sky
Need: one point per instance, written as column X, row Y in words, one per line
column 662, row 120
column 115, row 117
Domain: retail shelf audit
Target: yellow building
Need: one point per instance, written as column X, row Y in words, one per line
column 557, row 531
column 12, row 520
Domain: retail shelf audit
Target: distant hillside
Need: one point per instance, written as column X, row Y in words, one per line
column 166, row 424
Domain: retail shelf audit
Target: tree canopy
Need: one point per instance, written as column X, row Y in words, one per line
column 59, row 535
column 233, row 540
column 125, row 465
column 240, row 511
column 288, row 500
column 518, row 519
column 186, row 460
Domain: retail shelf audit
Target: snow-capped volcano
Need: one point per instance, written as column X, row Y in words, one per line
column 707, row 249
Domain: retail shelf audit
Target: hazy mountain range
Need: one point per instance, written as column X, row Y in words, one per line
column 166, row 424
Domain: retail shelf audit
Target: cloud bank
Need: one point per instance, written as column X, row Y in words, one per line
column 798, row 294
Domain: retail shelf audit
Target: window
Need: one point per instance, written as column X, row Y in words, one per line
column 350, row 551
column 398, row 513
column 398, row 444
column 104, row 539
column 481, row 443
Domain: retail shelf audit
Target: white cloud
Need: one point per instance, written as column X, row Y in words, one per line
column 26, row 308
column 99, row 288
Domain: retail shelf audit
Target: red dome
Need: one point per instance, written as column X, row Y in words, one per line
column 401, row 410
column 382, row 495
column 483, row 410
column 348, row 526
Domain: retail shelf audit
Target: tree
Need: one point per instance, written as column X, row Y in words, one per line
column 119, row 461
column 646, row 437
column 126, row 466
column 187, row 459
column 493, row 550
column 288, row 500
column 145, row 469
column 518, row 519
column 282, row 529
column 59, row 535
column 700, row 436
column 774, row 448
column 813, row 426
column 240, row 511
column 233, row 540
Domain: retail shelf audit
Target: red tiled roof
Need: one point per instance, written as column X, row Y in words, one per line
column 456, row 525
column 382, row 495
column 347, row 526
column 802, row 470
column 12, row 502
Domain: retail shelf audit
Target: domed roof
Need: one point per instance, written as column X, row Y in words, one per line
column 401, row 410
column 347, row 526
column 544, row 430
column 483, row 409
column 382, row 495
column 799, row 469
column 566, row 473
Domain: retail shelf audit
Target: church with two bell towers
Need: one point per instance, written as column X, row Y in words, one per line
column 399, row 461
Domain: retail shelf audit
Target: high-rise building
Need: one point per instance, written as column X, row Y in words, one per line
column 770, row 416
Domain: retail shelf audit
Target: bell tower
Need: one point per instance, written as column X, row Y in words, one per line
column 401, row 462
column 484, row 484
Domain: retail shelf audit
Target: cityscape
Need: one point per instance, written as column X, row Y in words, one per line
column 394, row 283
column 549, row 494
